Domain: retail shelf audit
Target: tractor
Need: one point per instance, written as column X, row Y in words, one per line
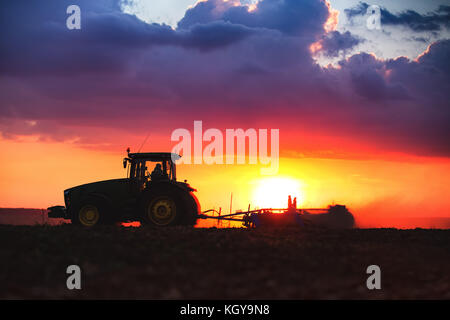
column 155, row 198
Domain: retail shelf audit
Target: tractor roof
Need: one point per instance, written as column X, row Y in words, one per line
column 155, row 156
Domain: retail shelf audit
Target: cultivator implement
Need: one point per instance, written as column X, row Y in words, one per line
column 336, row 216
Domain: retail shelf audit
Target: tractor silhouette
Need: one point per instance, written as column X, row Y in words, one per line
column 155, row 198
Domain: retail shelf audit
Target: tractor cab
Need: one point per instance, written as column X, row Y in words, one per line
column 145, row 167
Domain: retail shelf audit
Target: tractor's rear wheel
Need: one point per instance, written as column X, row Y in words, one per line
column 168, row 207
column 162, row 211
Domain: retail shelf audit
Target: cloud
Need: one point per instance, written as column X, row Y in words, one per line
column 216, row 34
column 436, row 57
column 367, row 75
column 291, row 17
column 224, row 64
column 335, row 42
column 358, row 10
column 45, row 45
column 432, row 21
column 410, row 97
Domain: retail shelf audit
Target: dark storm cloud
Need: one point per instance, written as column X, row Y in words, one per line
column 438, row 58
column 213, row 35
column 224, row 65
column 359, row 10
column 419, row 22
column 292, row 17
column 41, row 43
column 336, row 42
column 407, row 101
column 367, row 75
column 432, row 21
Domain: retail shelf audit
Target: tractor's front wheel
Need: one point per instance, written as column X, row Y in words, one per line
column 89, row 213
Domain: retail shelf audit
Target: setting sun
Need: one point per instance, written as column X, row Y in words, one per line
column 274, row 192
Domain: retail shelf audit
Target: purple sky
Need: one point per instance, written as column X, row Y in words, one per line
column 227, row 66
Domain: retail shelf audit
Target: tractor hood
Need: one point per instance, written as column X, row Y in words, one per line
column 96, row 186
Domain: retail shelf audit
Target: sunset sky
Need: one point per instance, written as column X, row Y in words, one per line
column 363, row 114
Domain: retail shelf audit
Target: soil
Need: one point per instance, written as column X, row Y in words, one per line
column 120, row 262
